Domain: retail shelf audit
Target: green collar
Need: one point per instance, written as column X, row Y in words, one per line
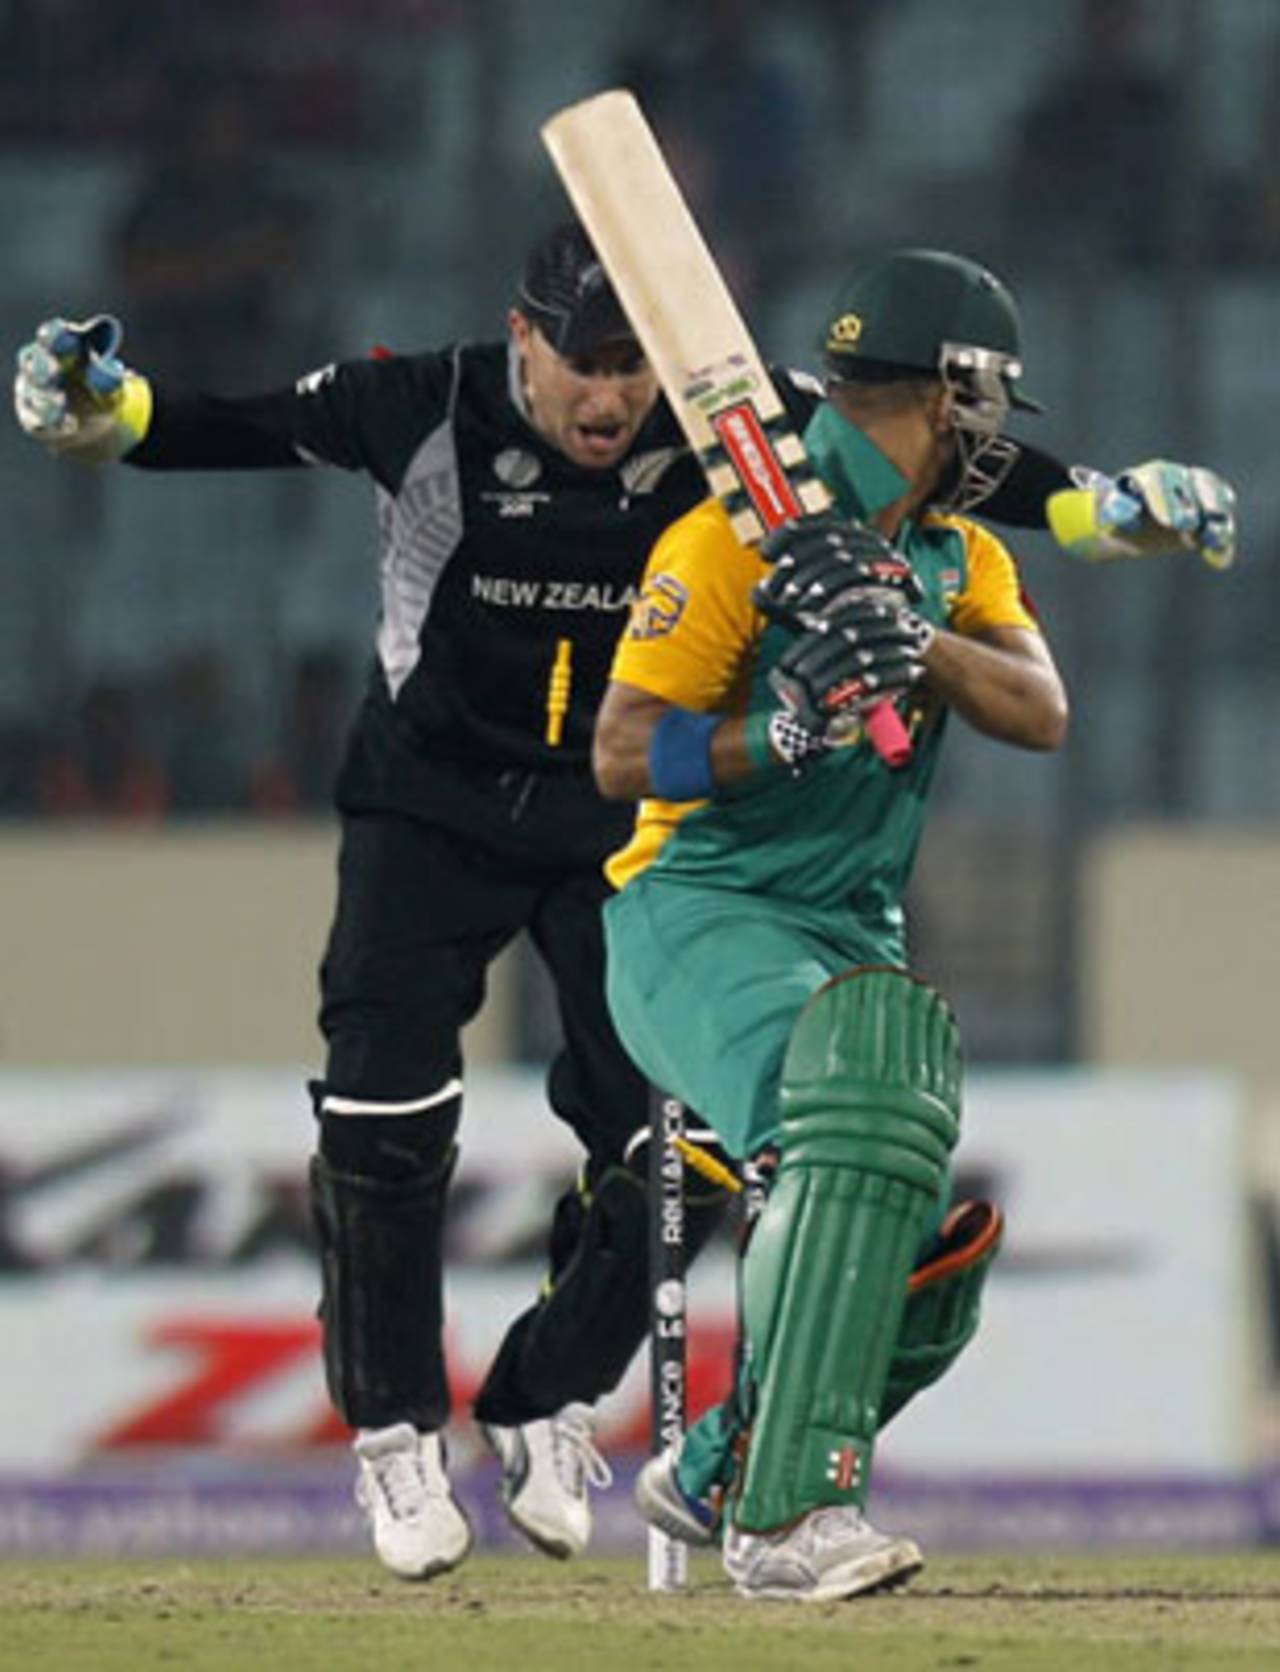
column 861, row 478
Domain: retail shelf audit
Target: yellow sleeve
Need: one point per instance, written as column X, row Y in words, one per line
column 692, row 629
column 992, row 593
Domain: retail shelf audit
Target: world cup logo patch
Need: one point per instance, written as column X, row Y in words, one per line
column 658, row 609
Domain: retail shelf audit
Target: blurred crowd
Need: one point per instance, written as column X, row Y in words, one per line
column 102, row 73
column 207, row 260
column 152, row 748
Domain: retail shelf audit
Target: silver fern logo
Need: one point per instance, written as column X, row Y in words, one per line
column 643, row 473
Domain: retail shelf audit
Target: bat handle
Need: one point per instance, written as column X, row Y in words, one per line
column 888, row 734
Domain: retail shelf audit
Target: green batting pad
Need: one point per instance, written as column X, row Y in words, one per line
column 870, row 1102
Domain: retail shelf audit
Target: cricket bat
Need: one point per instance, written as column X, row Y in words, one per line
column 691, row 330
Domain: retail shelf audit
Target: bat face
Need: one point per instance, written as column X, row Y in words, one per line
column 694, row 337
column 679, row 306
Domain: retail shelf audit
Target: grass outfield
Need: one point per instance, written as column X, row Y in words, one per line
column 520, row 1613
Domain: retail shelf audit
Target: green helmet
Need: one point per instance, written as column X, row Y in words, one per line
column 926, row 311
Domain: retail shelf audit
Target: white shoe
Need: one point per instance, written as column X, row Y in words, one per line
column 665, row 1504
column 831, row 1553
column 547, row 1467
column 419, row 1528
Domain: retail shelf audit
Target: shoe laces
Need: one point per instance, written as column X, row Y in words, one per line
column 574, row 1455
column 831, row 1524
column 403, row 1479
column 835, row 1524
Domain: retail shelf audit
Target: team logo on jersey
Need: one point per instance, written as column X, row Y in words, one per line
column 658, row 608
column 516, row 468
column 643, row 473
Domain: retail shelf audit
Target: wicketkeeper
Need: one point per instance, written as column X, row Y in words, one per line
column 520, row 486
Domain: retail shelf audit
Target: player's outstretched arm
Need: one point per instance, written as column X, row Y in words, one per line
column 1149, row 510
column 74, row 395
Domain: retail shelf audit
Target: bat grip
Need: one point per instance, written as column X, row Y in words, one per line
column 888, row 734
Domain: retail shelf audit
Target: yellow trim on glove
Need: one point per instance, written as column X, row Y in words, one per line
column 1073, row 521
column 133, row 413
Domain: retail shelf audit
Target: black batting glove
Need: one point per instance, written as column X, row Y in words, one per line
column 818, row 560
column 793, row 744
column 870, row 649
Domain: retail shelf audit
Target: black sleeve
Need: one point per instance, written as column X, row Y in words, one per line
column 357, row 414
column 206, row 432
column 1019, row 501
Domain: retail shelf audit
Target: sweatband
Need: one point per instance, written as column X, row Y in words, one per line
column 755, row 736
column 680, row 755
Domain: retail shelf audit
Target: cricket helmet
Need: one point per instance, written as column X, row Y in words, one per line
column 929, row 313
column 566, row 293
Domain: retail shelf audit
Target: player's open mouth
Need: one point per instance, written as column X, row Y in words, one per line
column 600, row 438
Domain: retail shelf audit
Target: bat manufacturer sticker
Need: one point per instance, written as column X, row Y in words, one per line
column 757, row 465
column 711, row 388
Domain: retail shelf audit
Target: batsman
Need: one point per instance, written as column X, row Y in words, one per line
column 757, row 962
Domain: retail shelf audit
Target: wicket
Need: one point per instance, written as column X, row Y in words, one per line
column 668, row 1557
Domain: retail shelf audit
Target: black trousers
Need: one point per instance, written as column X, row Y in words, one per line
column 422, row 913
column 423, row 909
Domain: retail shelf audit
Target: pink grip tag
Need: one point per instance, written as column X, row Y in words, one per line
column 888, row 734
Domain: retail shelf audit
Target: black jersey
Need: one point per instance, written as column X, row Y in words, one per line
column 506, row 569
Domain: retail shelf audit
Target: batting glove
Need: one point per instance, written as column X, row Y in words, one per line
column 792, row 742
column 819, row 561
column 74, row 395
column 870, row 649
column 1147, row 511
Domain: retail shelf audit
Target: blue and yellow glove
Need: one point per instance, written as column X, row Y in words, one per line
column 75, row 396
column 1152, row 509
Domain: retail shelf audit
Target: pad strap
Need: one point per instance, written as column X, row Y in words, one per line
column 943, row 1309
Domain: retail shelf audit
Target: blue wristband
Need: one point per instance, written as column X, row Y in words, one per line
column 680, row 755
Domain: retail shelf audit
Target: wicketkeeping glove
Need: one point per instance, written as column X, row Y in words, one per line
column 869, row 649
column 74, row 395
column 818, row 560
column 1152, row 509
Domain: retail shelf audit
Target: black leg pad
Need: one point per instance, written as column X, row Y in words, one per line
column 577, row 1341
column 382, row 1307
